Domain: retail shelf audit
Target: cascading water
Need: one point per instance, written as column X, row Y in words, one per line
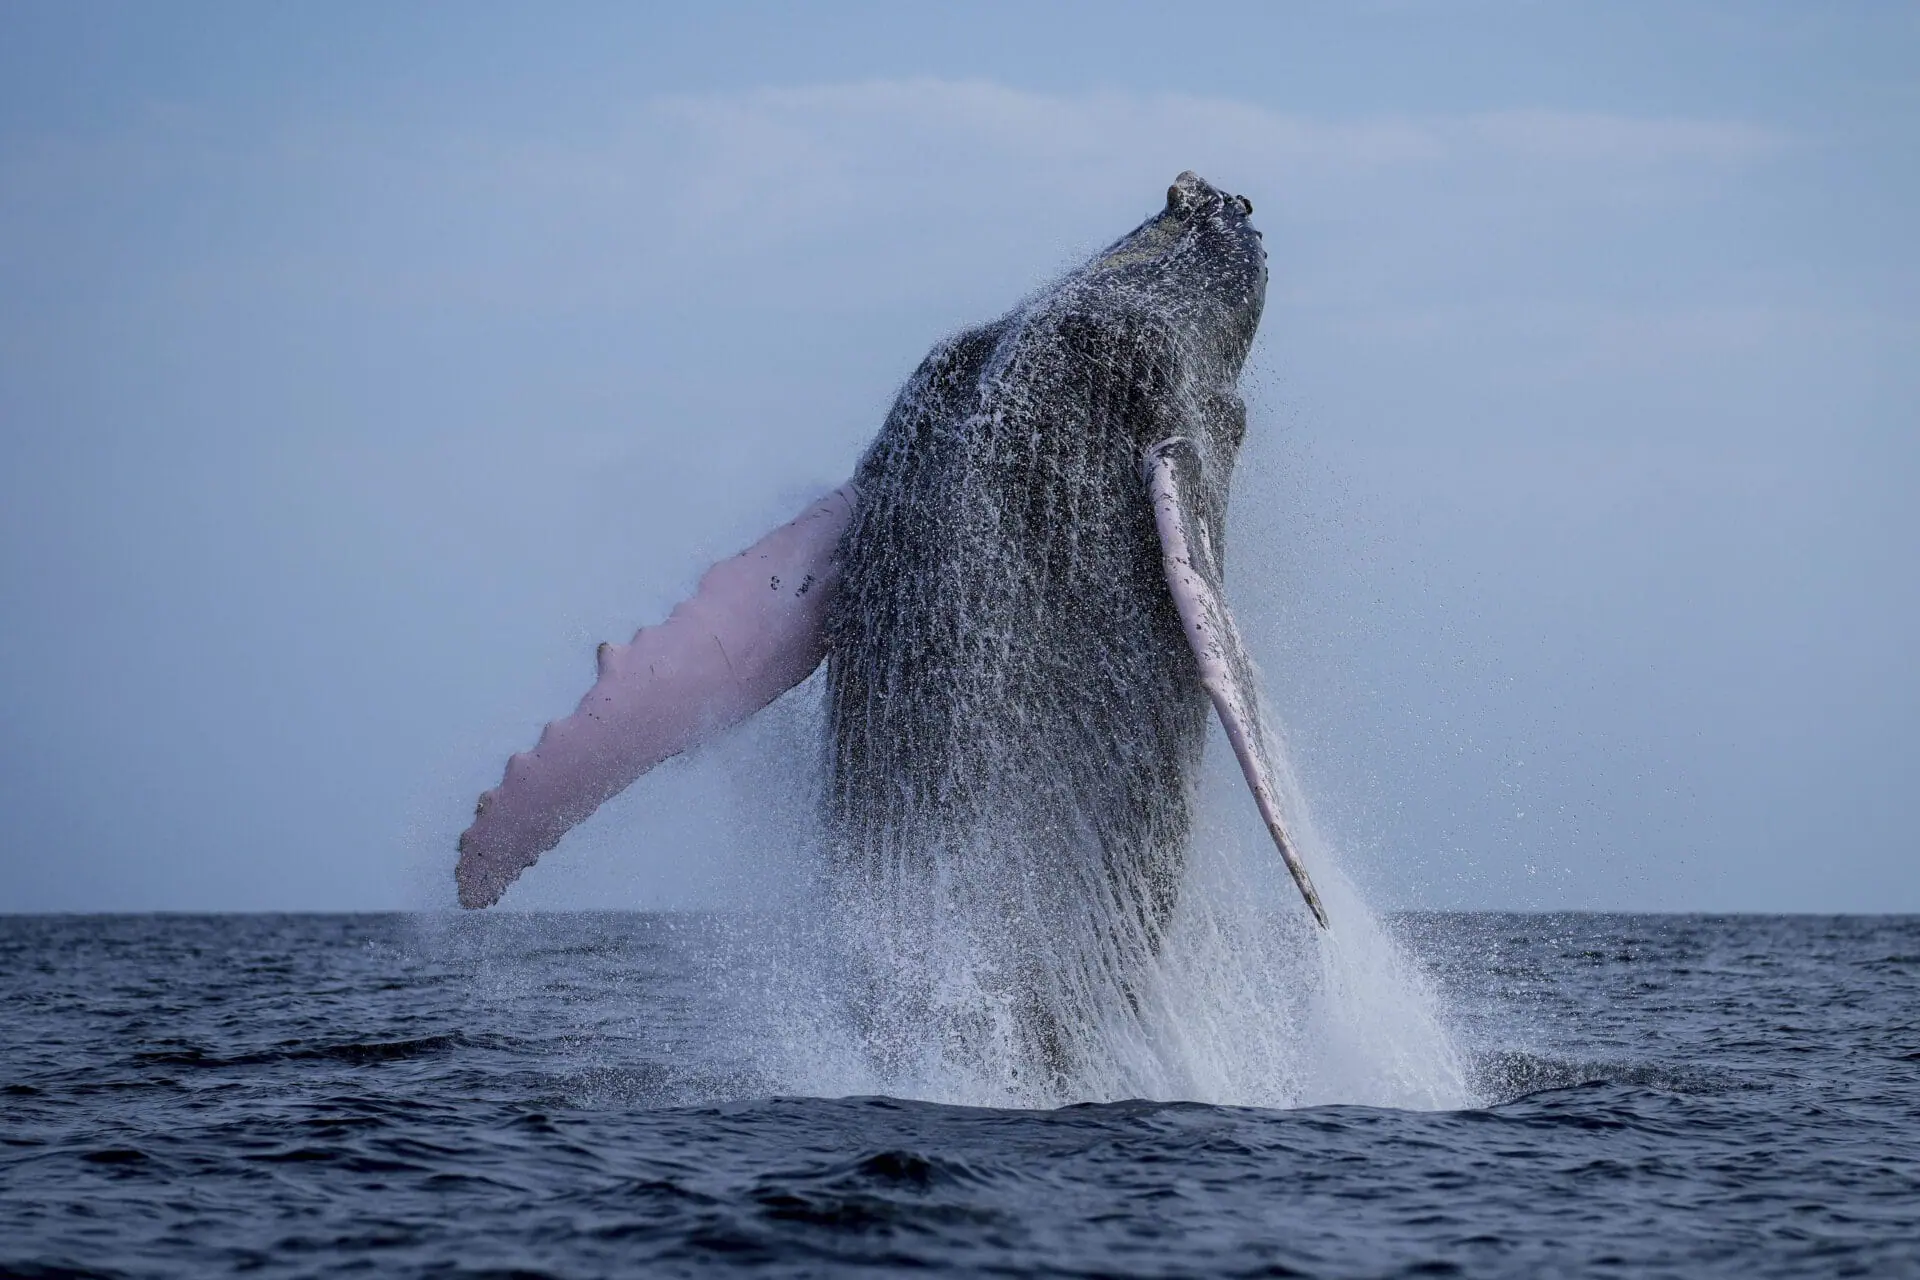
column 1246, row 1002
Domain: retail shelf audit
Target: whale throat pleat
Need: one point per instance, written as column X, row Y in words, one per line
column 752, row 630
column 1171, row 469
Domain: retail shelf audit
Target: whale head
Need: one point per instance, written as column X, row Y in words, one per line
column 1199, row 261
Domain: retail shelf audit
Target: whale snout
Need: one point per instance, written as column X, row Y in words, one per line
column 1191, row 193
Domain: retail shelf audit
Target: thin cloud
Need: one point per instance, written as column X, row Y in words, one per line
column 879, row 190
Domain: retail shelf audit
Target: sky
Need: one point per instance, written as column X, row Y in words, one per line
column 362, row 366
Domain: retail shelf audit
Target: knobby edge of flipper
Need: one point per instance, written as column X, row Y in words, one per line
column 1171, row 469
column 753, row 628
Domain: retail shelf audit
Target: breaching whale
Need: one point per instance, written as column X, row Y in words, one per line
column 1019, row 598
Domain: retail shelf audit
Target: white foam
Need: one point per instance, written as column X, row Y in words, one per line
column 1246, row 1002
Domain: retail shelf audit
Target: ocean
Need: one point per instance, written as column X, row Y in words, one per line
column 607, row 1095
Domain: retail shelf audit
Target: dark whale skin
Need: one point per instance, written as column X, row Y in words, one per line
column 1013, row 712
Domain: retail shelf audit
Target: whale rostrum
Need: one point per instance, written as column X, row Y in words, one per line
column 1020, row 600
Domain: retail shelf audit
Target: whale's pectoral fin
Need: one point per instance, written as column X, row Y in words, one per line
column 753, row 630
column 1172, row 472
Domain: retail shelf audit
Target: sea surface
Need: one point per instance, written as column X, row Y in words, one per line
column 573, row 1095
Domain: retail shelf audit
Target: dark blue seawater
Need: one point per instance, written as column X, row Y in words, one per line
column 548, row 1096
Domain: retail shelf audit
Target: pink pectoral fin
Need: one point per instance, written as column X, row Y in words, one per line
column 1172, row 472
column 751, row 631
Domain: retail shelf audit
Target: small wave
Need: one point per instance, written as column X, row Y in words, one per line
column 357, row 1053
column 879, row 1190
column 1505, row 1076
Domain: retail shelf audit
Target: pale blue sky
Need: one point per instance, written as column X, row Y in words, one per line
column 360, row 369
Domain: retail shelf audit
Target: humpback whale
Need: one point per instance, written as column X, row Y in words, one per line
column 1020, row 601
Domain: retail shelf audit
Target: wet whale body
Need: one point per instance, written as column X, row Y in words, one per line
column 1020, row 601
column 1015, row 712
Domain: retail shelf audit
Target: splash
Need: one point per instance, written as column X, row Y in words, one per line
column 928, row 992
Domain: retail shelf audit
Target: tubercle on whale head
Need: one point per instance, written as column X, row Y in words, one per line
column 1191, row 192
